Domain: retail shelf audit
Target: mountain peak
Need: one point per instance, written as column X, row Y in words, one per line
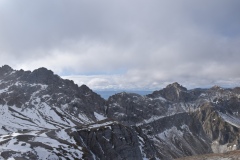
column 173, row 92
column 43, row 70
column 43, row 76
column 5, row 69
column 176, row 85
column 84, row 89
column 216, row 87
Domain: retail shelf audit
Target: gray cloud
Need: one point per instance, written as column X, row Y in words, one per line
column 147, row 43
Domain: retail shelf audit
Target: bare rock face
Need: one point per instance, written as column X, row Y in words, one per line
column 233, row 155
column 5, row 70
column 113, row 141
column 220, row 126
column 131, row 108
column 174, row 92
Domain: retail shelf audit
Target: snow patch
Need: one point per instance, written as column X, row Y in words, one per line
column 62, row 134
column 99, row 117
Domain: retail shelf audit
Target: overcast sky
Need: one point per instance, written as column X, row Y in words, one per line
column 125, row 44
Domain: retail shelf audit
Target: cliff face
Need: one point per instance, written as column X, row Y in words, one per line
column 46, row 117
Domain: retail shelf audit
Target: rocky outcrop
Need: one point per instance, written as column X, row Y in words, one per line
column 113, row 141
column 233, row 155
column 5, row 70
column 177, row 136
column 131, row 108
column 174, row 93
column 220, row 126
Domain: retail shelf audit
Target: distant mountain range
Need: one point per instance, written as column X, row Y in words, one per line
column 45, row 117
column 107, row 93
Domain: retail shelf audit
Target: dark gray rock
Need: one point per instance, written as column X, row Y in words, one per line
column 113, row 141
column 131, row 108
column 5, row 70
column 174, row 93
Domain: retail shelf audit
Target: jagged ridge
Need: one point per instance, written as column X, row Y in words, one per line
column 44, row 115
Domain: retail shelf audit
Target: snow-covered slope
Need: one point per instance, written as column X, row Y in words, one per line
column 41, row 100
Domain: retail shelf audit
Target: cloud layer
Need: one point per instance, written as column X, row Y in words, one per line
column 125, row 44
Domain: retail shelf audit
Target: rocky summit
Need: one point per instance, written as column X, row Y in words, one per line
column 43, row 116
